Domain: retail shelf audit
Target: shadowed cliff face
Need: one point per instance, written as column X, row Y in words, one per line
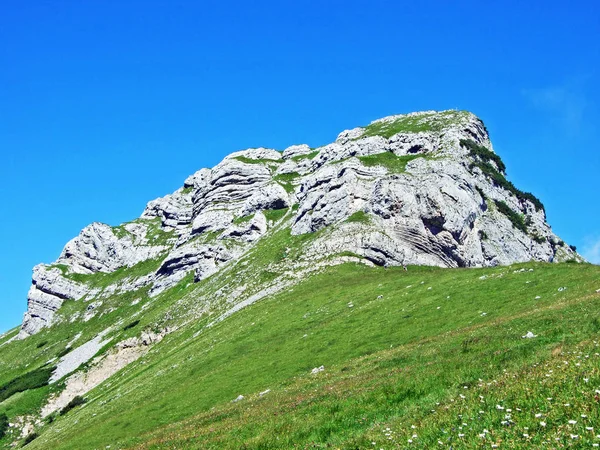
column 423, row 188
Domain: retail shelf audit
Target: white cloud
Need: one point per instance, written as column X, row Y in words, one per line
column 591, row 250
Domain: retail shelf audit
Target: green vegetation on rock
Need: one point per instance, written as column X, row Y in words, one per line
column 105, row 279
column 395, row 164
column 482, row 157
column 310, row 155
column 243, row 219
column 275, row 214
column 435, row 121
column 287, row 180
column 515, row 218
column 483, row 154
column 247, row 160
column 359, row 217
column 120, row 231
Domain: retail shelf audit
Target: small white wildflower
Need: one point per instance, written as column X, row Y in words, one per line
column 589, row 428
column 525, row 435
column 461, row 435
column 574, row 436
column 572, row 422
column 543, row 424
column 499, row 407
column 538, row 415
column 410, row 441
column 583, row 416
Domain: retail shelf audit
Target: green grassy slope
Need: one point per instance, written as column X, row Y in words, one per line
column 396, row 346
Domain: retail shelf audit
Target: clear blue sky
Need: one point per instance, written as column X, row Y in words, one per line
column 105, row 105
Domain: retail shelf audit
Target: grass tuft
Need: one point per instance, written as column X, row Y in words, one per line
column 395, row 164
column 483, row 156
column 30, row 438
column 3, row 424
column 30, row 380
column 310, row 155
column 431, row 122
column 516, row 219
column 275, row 215
column 359, row 217
column 247, row 160
column 131, row 325
column 76, row 401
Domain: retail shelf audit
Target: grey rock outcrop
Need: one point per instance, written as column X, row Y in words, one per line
column 296, row 150
column 175, row 210
column 48, row 291
column 406, row 189
column 99, row 249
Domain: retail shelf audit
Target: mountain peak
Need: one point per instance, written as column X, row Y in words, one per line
column 424, row 188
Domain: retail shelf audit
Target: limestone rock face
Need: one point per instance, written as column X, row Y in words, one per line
column 296, row 150
column 174, row 210
column 49, row 289
column 99, row 249
column 421, row 188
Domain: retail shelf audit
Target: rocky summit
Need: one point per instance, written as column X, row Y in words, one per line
column 418, row 189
